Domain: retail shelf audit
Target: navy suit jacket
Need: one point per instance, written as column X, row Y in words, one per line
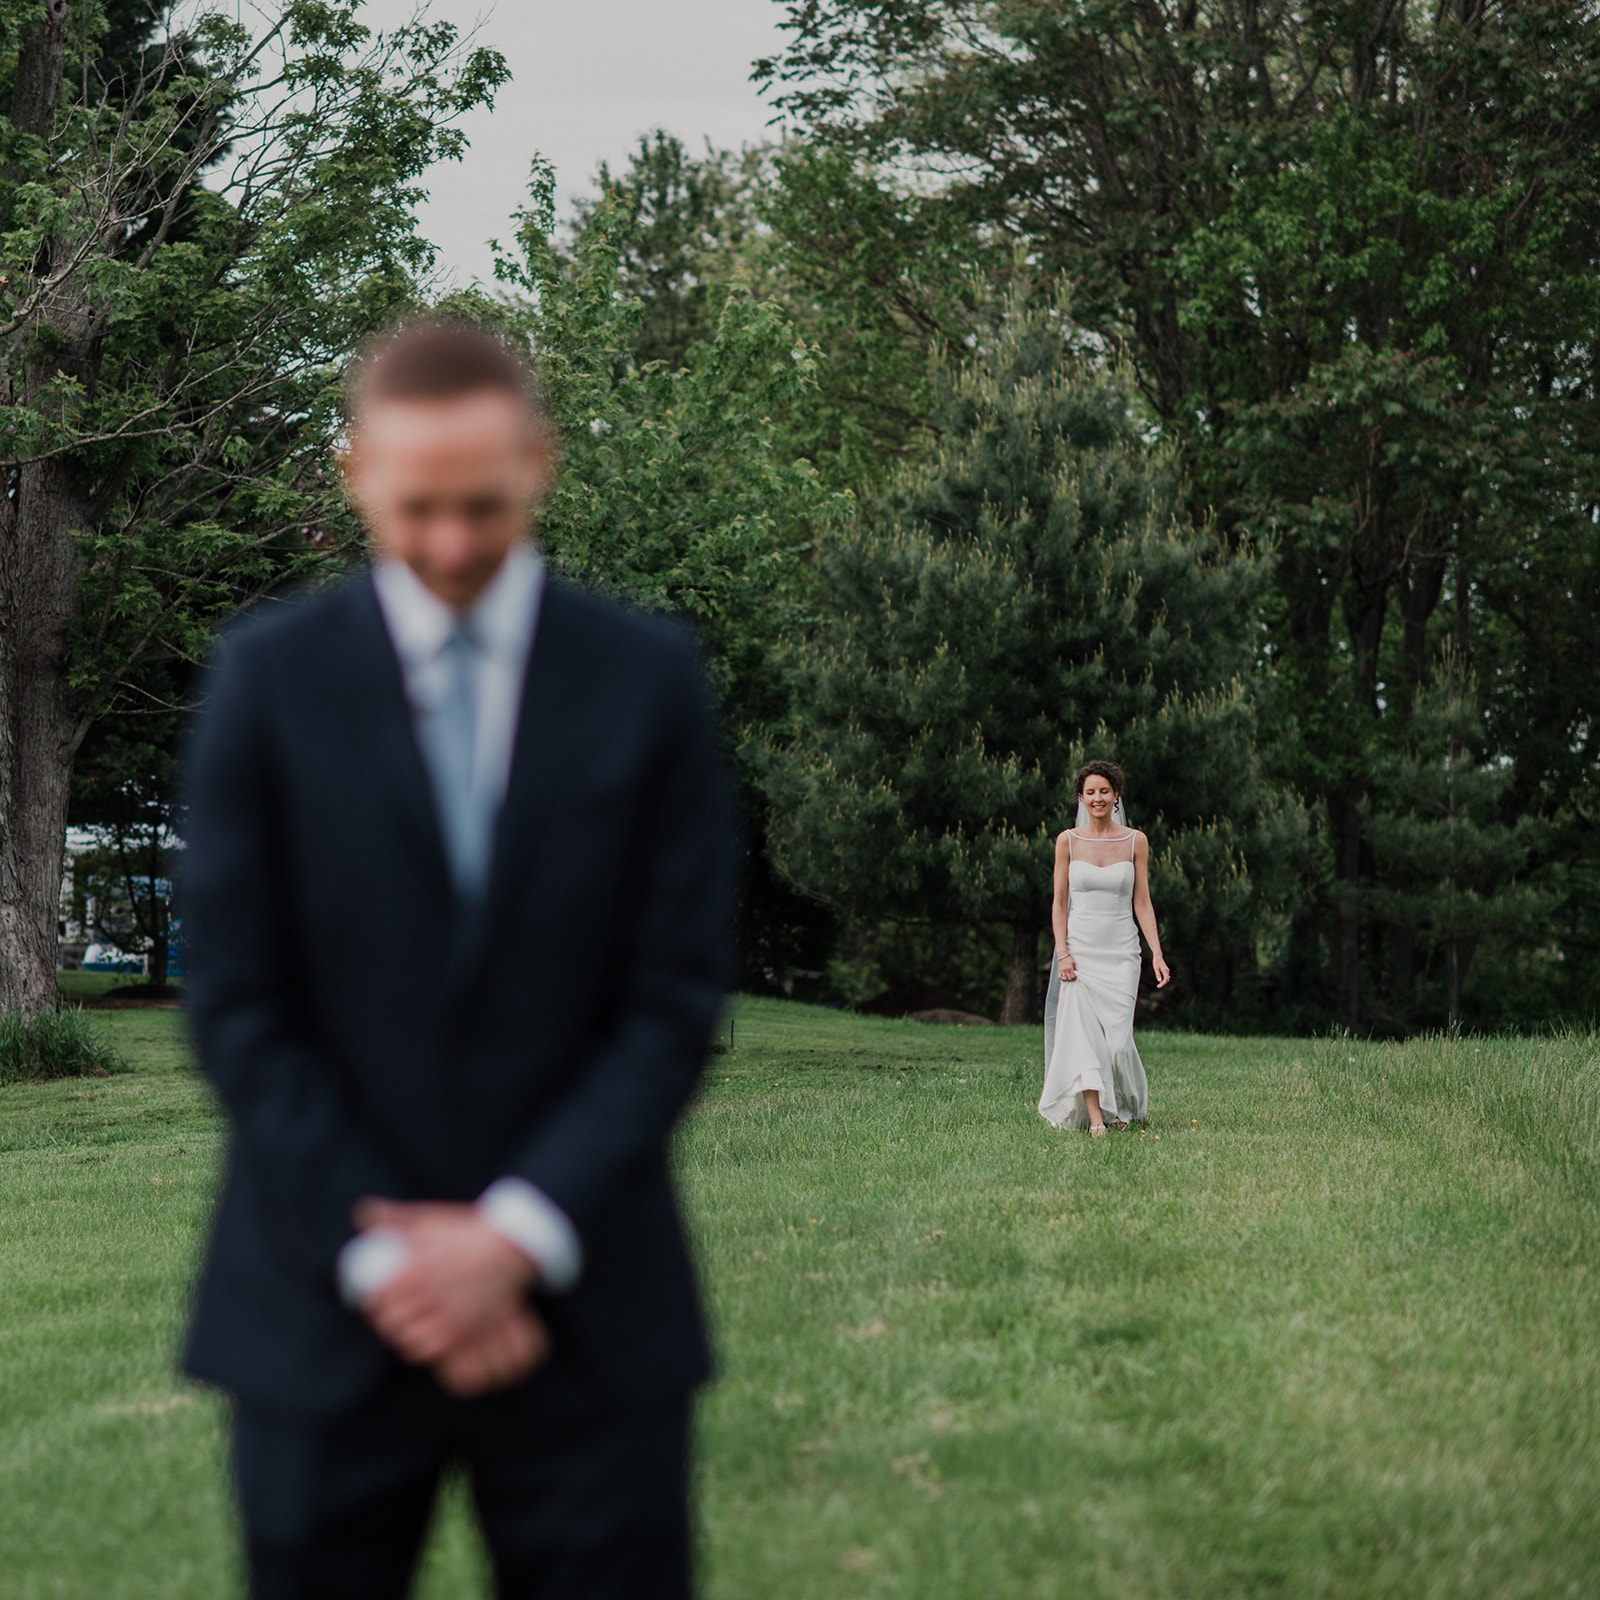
column 368, row 1035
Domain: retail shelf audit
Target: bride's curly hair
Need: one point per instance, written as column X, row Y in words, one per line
column 1108, row 770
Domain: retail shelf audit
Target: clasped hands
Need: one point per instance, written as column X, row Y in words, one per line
column 460, row 1303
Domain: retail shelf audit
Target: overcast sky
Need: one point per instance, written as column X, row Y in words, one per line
column 587, row 78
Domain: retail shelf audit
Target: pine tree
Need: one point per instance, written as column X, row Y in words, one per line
column 1026, row 599
column 1451, row 870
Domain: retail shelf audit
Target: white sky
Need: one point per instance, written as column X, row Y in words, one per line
column 587, row 78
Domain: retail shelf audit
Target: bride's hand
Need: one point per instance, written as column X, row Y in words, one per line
column 1068, row 969
column 1162, row 971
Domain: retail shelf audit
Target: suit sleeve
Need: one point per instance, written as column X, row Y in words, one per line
column 679, row 963
column 247, row 1005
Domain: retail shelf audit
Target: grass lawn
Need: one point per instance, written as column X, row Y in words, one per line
column 1330, row 1328
column 79, row 986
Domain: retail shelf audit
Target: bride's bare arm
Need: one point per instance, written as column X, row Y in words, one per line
column 1144, row 913
column 1058, row 907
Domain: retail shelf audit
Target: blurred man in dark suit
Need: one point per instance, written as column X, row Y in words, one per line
column 458, row 890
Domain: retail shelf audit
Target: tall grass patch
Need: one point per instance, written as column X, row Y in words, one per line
column 54, row 1044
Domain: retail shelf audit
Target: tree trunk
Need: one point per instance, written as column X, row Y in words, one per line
column 159, row 935
column 38, row 732
column 1403, row 945
column 160, row 956
column 1458, row 957
column 39, row 513
column 1345, row 816
column 36, row 90
column 1022, row 989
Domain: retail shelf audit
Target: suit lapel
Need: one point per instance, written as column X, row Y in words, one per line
column 382, row 710
column 542, row 717
column 541, row 721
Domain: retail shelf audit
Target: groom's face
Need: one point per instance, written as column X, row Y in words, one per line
column 449, row 485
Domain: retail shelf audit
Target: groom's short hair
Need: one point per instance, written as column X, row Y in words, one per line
column 442, row 359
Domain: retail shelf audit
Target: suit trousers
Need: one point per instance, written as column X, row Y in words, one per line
column 579, row 1497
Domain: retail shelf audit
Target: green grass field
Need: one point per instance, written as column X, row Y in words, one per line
column 1329, row 1328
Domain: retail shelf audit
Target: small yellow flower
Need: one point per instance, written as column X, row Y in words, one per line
column 812, row 1221
column 1158, row 1136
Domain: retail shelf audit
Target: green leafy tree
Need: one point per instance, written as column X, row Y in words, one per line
column 1028, row 598
column 870, row 280
column 170, row 347
column 680, row 486
column 1350, row 249
column 880, row 283
column 684, row 229
column 691, row 242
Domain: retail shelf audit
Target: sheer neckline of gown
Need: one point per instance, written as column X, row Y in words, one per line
column 1089, row 845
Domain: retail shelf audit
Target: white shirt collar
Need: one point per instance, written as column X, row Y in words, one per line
column 504, row 615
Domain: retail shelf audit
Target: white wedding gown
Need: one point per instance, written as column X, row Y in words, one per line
column 1088, row 1023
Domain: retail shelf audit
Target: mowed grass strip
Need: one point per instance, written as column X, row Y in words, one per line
column 112, row 1478
column 1327, row 1328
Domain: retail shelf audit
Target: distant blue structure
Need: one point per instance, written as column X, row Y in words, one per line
column 107, row 958
column 102, row 957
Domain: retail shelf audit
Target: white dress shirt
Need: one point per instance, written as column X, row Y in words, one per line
column 505, row 620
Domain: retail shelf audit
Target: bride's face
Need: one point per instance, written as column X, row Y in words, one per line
column 1098, row 797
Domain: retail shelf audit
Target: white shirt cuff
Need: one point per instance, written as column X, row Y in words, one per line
column 538, row 1227
column 368, row 1262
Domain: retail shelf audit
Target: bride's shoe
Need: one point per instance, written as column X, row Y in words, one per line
column 1097, row 1130
column 1118, row 1127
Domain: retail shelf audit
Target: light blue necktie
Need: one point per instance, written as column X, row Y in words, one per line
column 450, row 739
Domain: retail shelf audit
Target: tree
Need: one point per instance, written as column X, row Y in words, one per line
column 870, row 282
column 170, row 349
column 1445, row 865
column 680, row 486
column 124, row 794
column 880, row 284
column 1028, row 598
column 1350, row 247
column 688, row 228
column 1536, row 658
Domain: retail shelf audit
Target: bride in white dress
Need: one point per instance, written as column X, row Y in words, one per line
column 1092, row 1071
